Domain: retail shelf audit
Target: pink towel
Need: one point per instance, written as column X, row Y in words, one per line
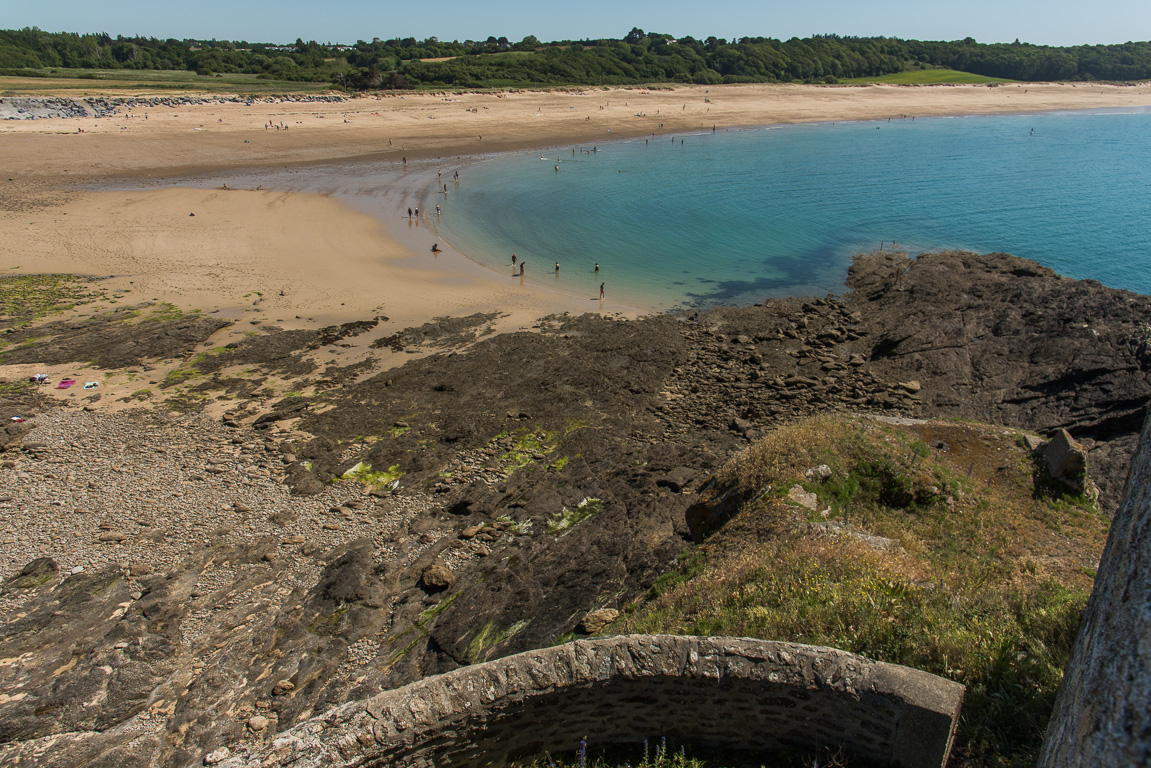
column 64, row 384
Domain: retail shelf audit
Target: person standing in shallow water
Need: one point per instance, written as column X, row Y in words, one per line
column 522, row 268
column 601, row 290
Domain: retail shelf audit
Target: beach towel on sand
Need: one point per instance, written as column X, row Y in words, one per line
column 65, row 383
column 91, row 384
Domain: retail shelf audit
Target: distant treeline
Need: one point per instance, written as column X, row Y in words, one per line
column 638, row 58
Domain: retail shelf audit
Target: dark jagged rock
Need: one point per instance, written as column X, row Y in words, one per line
column 560, row 468
column 34, row 574
column 108, row 342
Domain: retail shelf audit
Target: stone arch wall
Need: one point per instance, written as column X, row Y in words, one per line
column 725, row 692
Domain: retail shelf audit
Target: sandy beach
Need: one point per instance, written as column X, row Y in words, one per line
column 93, row 197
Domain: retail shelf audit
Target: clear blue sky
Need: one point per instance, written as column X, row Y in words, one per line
column 1049, row 22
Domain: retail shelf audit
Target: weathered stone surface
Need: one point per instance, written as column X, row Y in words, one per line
column 624, row 689
column 1102, row 713
column 597, row 621
column 438, row 577
column 678, row 479
column 818, row 473
column 1065, row 459
column 33, row 574
column 803, row 497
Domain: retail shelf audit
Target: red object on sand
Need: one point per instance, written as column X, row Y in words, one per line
column 65, row 383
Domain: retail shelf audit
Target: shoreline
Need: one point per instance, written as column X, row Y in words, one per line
column 49, row 198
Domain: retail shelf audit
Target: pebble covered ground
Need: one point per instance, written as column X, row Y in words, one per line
column 142, row 489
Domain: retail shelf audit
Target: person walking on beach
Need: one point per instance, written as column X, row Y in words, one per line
column 409, row 212
column 601, row 291
column 417, row 213
column 513, row 261
column 522, row 263
column 437, row 209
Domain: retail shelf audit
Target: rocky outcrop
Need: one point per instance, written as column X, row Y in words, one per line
column 107, row 341
column 33, row 108
column 1001, row 339
column 1065, row 460
column 546, row 475
column 728, row 693
column 1103, row 711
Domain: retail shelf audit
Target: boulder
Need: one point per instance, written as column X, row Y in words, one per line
column 819, row 473
column 438, row 577
column 803, row 498
column 1066, row 460
column 597, row 621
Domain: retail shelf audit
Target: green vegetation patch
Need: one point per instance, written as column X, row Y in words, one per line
column 489, row 636
column 934, row 553
column 364, row 474
column 30, row 297
column 526, row 446
column 569, row 518
column 134, row 80
column 329, row 624
column 16, row 388
column 927, row 77
column 187, row 402
column 179, row 376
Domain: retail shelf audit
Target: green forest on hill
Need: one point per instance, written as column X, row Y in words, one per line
column 638, row 57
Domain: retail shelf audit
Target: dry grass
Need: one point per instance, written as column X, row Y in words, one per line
column 985, row 584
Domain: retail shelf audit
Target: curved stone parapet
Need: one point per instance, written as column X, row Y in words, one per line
column 735, row 693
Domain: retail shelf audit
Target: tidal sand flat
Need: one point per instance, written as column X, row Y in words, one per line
column 46, row 212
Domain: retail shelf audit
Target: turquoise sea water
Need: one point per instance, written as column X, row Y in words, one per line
column 735, row 217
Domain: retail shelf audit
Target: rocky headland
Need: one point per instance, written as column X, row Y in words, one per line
column 177, row 581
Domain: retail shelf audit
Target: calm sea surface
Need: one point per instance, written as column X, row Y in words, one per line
column 736, row 217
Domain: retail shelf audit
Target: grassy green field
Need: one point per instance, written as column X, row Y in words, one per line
column 77, row 82
column 927, row 77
